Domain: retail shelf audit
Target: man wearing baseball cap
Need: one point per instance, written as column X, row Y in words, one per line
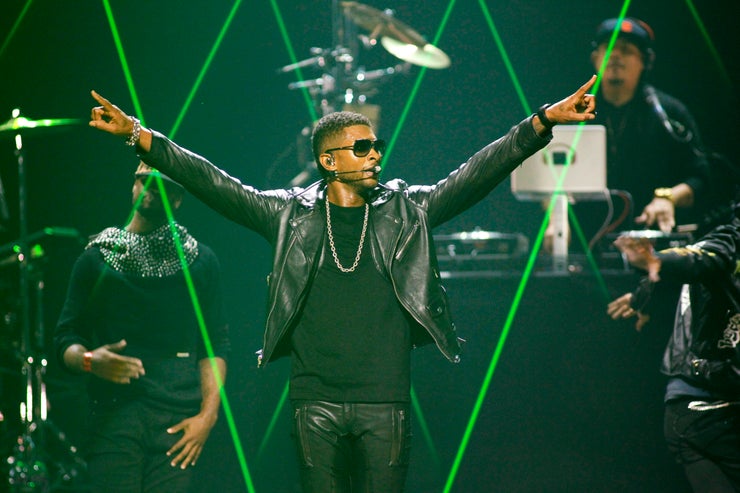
column 653, row 144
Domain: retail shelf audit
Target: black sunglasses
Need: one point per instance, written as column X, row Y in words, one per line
column 361, row 147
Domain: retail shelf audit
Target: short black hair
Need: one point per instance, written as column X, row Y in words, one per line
column 331, row 125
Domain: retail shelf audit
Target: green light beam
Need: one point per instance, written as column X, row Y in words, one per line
column 525, row 278
column 314, row 117
column 519, row 91
column 712, row 49
column 589, row 256
column 424, row 427
column 391, row 144
column 124, row 63
column 199, row 317
column 415, row 88
column 505, row 58
column 137, row 108
column 293, row 59
column 204, row 333
column 273, row 420
column 16, row 24
column 496, row 356
column 204, row 69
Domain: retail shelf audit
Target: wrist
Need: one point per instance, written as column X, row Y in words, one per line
column 544, row 120
column 87, row 361
column 664, row 193
column 133, row 139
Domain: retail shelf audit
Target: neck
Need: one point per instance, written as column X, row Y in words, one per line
column 617, row 95
column 343, row 195
column 141, row 225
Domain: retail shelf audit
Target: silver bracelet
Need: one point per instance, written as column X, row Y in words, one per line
column 133, row 139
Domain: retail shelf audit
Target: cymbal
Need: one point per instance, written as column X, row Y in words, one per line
column 428, row 56
column 396, row 37
column 21, row 124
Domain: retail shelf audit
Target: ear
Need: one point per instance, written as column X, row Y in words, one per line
column 649, row 59
column 327, row 161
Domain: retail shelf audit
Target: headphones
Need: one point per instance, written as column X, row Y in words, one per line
column 635, row 31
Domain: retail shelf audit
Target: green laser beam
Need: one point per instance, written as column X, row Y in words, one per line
column 137, row 108
column 293, row 59
column 424, row 427
column 204, row 69
column 206, row 338
column 394, row 136
column 416, row 86
column 204, row 334
column 314, row 117
column 590, row 256
column 712, row 49
column 124, row 62
column 273, row 419
column 505, row 57
column 525, row 277
column 495, row 359
column 15, row 26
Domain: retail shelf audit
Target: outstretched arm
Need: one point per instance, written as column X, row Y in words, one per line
column 104, row 362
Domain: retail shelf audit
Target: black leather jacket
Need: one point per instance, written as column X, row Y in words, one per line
column 401, row 239
column 704, row 348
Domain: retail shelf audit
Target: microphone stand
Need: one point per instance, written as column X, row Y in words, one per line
column 673, row 128
column 28, row 470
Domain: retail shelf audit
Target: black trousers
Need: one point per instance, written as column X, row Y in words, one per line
column 706, row 443
column 129, row 447
column 352, row 447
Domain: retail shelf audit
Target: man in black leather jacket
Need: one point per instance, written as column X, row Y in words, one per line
column 702, row 358
column 340, row 245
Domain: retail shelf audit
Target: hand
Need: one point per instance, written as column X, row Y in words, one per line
column 622, row 308
column 109, row 365
column 659, row 210
column 640, row 253
column 109, row 117
column 577, row 107
column 190, row 445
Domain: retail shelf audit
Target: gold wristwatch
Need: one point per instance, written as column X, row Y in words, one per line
column 664, row 193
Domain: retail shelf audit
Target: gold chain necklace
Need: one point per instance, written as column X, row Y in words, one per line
column 331, row 240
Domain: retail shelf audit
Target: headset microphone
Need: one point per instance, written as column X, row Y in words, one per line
column 375, row 169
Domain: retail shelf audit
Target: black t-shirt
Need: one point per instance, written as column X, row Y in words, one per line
column 642, row 156
column 156, row 317
column 352, row 343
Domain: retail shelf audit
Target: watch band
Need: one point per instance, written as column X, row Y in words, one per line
column 664, row 193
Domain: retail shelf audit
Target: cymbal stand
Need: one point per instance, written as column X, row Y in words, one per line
column 342, row 85
column 28, row 467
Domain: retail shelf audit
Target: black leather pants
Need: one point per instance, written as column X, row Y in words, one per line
column 707, row 443
column 352, row 447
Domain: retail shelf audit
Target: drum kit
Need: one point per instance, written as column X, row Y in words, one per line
column 23, row 367
column 343, row 83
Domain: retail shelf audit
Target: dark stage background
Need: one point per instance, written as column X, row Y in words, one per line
column 575, row 403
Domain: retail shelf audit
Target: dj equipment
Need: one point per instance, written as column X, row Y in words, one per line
column 489, row 254
column 480, row 253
